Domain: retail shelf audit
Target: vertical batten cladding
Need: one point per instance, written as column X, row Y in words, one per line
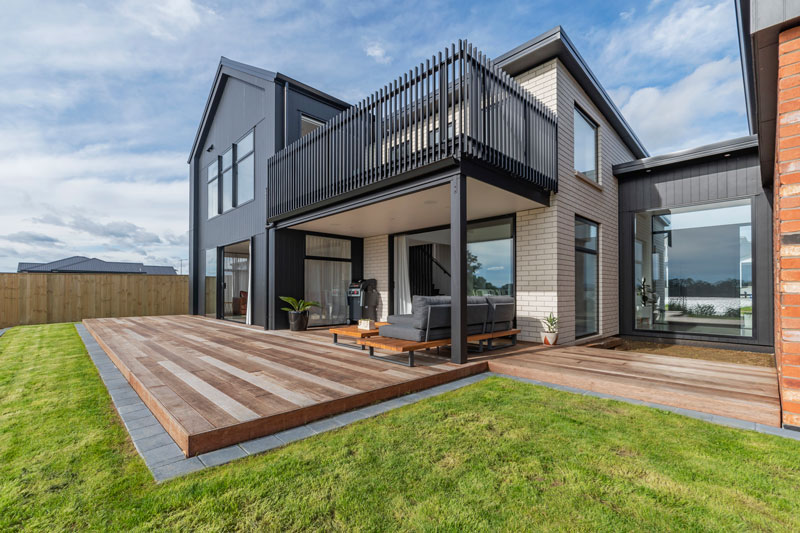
column 376, row 266
column 546, row 236
column 787, row 226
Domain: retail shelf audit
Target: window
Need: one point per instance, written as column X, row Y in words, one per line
column 422, row 266
column 586, row 278
column 328, row 272
column 245, row 170
column 213, row 189
column 696, row 270
column 308, row 124
column 585, row 149
column 227, row 180
column 211, row 283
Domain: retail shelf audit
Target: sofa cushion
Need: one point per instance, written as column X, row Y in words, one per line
column 413, row 334
column 420, row 304
column 500, row 310
column 418, row 335
column 401, row 320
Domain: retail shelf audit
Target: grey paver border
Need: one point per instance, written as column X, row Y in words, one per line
column 3, row 330
column 166, row 460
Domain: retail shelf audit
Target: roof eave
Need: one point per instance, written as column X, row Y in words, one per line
column 556, row 44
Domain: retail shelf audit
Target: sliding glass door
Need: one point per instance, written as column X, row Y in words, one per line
column 236, row 281
column 328, row 272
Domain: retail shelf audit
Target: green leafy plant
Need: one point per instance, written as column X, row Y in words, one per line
column 297, row 306
column 551, row 323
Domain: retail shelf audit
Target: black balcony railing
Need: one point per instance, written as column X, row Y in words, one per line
column 454, row 105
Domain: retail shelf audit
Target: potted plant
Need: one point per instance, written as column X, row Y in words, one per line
column 550, row 334
column 298, row 312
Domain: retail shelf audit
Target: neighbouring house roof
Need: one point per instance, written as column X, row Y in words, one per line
column 229, row 67
column 684, row 156
column 80, row 264
column 556, row 44
column 759, row 24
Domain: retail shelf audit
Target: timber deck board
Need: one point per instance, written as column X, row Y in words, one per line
column 726, row 389
column 212, row 383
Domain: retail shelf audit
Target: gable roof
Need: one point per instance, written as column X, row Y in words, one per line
column 82, row 264
column 231, row 68
column 556, row 44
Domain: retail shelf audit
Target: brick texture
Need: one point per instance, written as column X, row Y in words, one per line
column 376, row 265
column 787, row 226
column 546, row 236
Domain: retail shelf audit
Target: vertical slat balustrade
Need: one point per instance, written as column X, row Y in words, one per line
column 455, row 104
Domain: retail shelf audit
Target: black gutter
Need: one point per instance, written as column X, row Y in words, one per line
column 685, row 156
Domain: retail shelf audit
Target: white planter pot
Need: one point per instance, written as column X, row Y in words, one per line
column 549, row 339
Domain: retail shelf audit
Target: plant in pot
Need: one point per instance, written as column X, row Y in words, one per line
column 550, row 334
column 298, row 312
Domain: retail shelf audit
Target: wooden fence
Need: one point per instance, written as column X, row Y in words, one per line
column 50, row 298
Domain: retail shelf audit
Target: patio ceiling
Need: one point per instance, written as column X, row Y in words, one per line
column 423, row 209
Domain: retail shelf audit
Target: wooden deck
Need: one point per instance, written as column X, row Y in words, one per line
column 213, row 383
column 726, row 389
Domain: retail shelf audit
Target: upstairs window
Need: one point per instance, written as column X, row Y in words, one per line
column 245, row 170
column 585, row 149
column 227, row 180
column 308, row 124
column 213, row 189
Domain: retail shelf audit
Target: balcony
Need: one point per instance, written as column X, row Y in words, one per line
column 454, row 107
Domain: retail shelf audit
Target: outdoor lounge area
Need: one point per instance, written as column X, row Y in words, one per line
column 213, row 383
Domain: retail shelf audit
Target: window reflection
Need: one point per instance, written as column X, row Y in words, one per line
column 694, row 269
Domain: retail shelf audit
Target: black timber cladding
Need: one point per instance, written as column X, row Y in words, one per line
column 243, row 98
column 719, row 172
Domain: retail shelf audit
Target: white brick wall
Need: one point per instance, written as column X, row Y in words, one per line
column 545, row 236
column 376, row 265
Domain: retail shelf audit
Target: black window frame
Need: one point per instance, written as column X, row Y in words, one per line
column 596, row 253
column 596, row 126
column 209, row 179
column 237, row 158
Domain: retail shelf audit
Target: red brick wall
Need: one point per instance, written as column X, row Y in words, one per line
column 787, row 226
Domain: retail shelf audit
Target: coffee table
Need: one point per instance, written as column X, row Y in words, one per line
column 354, row 333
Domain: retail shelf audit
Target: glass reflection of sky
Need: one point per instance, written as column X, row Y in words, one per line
column 495, row 260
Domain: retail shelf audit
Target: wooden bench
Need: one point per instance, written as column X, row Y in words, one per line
column 401, row 345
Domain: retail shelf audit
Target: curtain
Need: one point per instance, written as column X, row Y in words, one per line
column 249, row 318
column 326, row 283
column 402, row 283
column 317, row 246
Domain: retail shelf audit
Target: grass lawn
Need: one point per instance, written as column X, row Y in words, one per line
column 495, row 455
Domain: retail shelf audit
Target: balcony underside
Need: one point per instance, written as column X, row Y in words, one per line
column 418, row 203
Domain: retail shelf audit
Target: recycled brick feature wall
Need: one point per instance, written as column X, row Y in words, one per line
column 787, row 226
column 376, row 265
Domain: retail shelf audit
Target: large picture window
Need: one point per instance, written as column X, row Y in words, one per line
column 696, row 270
column 422, row 262
column 586, row 278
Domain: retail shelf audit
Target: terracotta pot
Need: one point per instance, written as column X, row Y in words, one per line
column 549, row 339
column 298, row 321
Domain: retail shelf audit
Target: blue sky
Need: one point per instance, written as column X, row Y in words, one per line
column 100, row 100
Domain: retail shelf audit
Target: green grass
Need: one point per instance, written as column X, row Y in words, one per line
column 495, row 455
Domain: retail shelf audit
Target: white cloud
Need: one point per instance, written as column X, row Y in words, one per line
column 686, row 113
column 377, row 52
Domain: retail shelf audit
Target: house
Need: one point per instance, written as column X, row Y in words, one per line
column 467, row 175
column 86, row 265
